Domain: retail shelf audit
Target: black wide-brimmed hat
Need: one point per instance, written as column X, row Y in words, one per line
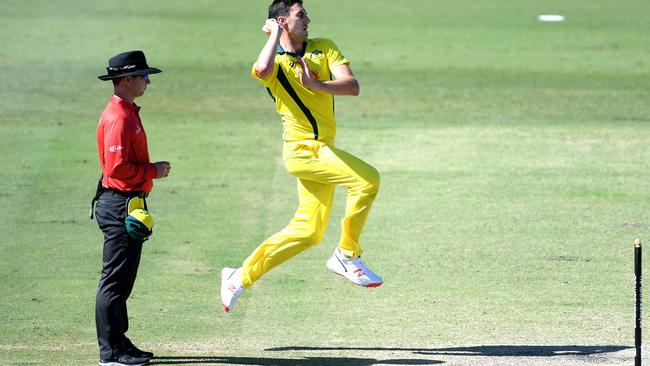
column 128, row 63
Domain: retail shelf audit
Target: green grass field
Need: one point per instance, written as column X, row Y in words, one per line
column 514, row 159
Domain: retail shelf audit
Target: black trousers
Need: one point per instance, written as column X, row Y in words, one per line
column 120, row 266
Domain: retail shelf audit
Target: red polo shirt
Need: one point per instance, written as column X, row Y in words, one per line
column 122, row 147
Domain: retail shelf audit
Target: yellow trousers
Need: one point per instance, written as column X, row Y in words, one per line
column 319, row 167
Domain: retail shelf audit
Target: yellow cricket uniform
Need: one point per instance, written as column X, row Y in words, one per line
column 306, row 114
column 309, row 154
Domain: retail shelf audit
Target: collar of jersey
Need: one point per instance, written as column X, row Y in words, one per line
column 127, row 105
column 300, row 53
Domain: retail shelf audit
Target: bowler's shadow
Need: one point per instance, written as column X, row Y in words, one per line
column 305, row 361
column 486, row 351
column 489, row 351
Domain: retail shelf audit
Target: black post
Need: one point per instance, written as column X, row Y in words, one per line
column 637, row 303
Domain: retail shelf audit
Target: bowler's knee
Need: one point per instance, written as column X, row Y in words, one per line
column 308, row 238
column 312, row 238
column 305, row 232
column 372, row 181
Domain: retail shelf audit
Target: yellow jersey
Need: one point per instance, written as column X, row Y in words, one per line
column 306, row 114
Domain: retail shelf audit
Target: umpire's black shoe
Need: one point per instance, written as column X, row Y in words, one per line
column 125, row 360
column 134, row 351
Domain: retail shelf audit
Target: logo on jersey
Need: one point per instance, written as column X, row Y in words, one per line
column 115, row 148
column 315, row 54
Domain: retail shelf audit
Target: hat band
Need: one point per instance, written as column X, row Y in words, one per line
column 126, row 67
column 121, row 69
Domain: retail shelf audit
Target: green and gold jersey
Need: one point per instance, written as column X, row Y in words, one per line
column 306, row 114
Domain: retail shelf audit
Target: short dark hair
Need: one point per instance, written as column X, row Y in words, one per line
column 281, row 8
column 117, row 80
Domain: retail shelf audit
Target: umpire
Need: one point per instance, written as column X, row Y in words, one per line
column 127, row 179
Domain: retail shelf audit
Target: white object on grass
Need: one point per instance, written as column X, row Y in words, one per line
column 550, row 18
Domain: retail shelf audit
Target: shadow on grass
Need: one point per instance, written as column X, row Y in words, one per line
column 485, row 351
column 306, row 361
column 489, row 351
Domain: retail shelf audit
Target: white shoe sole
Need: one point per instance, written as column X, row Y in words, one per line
column 332, row 265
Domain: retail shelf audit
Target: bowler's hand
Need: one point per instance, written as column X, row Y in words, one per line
column 306, row 78
column 270, row 26
column 162, row 168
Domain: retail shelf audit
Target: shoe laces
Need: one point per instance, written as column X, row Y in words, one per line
column 356, row 264
column 360, row 265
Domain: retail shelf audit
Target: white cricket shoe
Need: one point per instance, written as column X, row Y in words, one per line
column 231, row 287
column 353, row 269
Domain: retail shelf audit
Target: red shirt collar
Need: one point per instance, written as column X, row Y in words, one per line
column 132, row 106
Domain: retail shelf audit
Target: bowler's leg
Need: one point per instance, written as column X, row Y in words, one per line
column 362, row 181
column 362, row 190
column 337, row 167
column 305, row 229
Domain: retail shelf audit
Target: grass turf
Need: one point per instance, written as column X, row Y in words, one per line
column 513, row 156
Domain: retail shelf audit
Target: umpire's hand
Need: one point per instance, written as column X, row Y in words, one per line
column 162, row 168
